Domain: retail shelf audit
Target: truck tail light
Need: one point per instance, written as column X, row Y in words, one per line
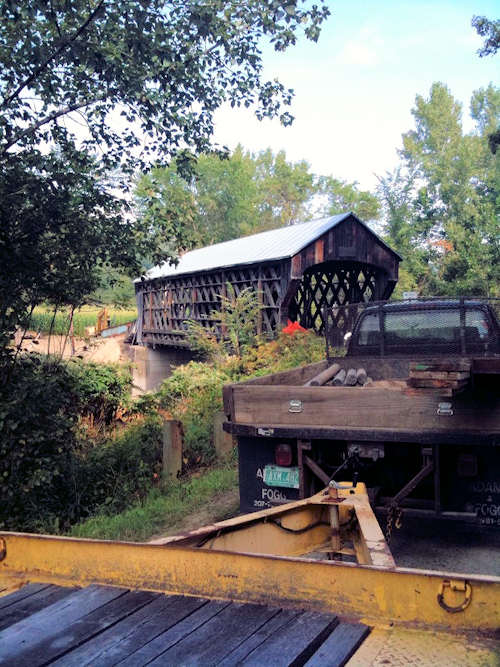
column 283, row 455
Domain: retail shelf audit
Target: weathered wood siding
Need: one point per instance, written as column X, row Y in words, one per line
column 347, row 264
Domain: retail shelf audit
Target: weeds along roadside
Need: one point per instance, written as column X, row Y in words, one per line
column 163, row 508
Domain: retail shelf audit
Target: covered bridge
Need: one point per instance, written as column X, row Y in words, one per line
column 298, row 271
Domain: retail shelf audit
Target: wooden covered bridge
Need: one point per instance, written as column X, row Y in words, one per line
column 298, row 272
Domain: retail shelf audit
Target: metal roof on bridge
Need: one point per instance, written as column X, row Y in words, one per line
column 267, row 246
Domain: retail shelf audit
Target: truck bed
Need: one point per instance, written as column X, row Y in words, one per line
column 282, row 403
column 43, row 624
column 101, row 625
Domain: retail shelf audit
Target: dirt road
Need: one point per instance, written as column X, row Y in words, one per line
column 103, row 350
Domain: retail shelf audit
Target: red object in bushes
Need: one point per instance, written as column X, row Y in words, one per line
column 292, row 327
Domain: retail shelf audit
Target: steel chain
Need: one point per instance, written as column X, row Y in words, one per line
column 394, row 517
column 388, row 527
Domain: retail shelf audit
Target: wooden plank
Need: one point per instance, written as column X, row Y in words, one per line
column 378, row 368
column 339, row 646
column 295, row 376
column 315, row 468
column 28, row 633
column 428, row 383
column 294, row 644
column 33, row 603
column 275, row 624
column 219, row 636
column 486, row 366
column 21, row 594
column 227, row 398
column 57, row 643
column 440, row 375
column 176, row 633
column 133, row 632
column 368, row 407
column 458, row 364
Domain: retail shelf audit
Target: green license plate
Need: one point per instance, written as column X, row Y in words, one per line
column 280, row 476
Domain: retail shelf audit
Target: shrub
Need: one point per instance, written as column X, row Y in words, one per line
column 50, row 475
column 237, row 317
column 38, row 413
column 115, row 474
column 101, row 388
column 193, row 394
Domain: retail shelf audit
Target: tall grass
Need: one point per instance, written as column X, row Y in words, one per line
column 160, row 511
column 41, row 320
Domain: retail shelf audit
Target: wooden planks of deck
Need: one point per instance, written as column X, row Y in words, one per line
column 42, row 624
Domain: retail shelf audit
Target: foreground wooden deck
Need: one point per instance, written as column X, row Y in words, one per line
column 43, row 624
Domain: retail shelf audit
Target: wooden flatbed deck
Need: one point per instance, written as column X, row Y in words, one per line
column 43, row 624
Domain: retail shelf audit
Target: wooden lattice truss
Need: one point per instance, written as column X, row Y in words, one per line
column 167, row 303
column 325, row 289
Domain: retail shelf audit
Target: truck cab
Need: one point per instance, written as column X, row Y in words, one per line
column 426, row 327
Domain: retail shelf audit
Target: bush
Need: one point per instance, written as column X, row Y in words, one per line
column 237, row 318
column 115, row 474
column 38, row 414
column 193, row 393
column 51, row 475
column 101, row 389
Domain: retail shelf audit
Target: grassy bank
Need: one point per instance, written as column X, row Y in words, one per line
column 161, row 510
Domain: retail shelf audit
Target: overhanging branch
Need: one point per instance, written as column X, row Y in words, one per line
column 48, row 119
column 54, row 55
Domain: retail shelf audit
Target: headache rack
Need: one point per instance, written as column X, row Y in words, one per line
column 449, row 325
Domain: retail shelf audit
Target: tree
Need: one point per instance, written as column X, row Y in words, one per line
column 58, row 226
column 448, row 191
column 226, row 193
column 228, row 197
column 88, row 86
column 490, row 30
column 344, row 197
column 285, row 190
column 164, row 66
column 396, row 191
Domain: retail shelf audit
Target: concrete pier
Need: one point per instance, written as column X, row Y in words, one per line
column 152, row 366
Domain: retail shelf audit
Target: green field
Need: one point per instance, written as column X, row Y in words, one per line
column 85, row 317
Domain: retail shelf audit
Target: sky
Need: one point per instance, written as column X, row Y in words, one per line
column 355, row 88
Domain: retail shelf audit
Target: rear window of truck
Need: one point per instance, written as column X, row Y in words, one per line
column 424, row 326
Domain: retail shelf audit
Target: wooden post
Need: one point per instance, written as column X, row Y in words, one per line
column 223, row 442
column 335, row 528
column 172, row 448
